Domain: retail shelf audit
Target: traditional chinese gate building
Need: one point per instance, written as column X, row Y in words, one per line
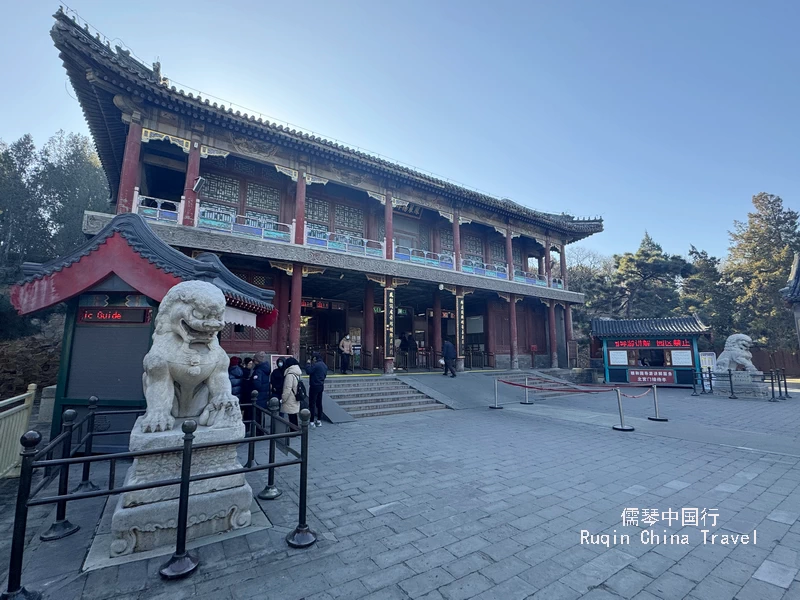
column 660, row 351
column 112, row 286
column 349, row 242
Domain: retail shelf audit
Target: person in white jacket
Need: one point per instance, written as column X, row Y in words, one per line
column 291, row 378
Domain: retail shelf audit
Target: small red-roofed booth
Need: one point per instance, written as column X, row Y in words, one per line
column 112, row 286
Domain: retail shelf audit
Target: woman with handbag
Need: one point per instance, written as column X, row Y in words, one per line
column 291, row 382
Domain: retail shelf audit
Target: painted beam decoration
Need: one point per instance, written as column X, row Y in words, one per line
column 461, row 327
column 389, row 317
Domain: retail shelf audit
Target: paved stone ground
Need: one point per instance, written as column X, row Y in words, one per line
column 490, row 505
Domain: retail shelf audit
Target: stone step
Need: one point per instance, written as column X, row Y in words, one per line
column 376, row 388
column 381, row 412
column 375, row 404
column 353, row 398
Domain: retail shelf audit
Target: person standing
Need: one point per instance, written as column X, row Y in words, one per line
column 291, row 379
column 317, row 372
column 449, row 356
column 412, row 351
column 236, row 375
column 346, row 348
column 276, row 380
column 260, row 378
column 247, row 381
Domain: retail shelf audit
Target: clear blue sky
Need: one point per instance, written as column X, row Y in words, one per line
column 658, row 115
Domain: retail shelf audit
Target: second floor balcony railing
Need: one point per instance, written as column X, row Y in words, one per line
column 157, row 209
column 340, row 242
column 494, row 271
column 530, row 278
column 217, row 218
column 440, row 260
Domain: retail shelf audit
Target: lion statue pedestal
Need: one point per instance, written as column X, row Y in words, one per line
column 186, row 377
column 748, row 382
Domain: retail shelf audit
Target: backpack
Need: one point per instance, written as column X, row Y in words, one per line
column 301, row 395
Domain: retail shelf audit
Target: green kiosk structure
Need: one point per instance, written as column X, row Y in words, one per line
column 649, row 351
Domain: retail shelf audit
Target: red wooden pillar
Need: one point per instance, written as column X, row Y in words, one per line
column 371, row 232
column 563, row 256
column 284, row 290
column 297, row 301
column 526, row 344
column 568, row 323
column 490, row 335
column 368, row 343
column 129, row 178
column 388, row 212
column 551, row 322
column 510, row 254
column 300, row 216
column 540, row 260
column 189, row 195
column 456, row 240
column 548, row 262
column 512, row 321
column 437, row 321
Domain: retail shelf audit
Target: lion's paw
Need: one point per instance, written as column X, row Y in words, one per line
column 157, row 421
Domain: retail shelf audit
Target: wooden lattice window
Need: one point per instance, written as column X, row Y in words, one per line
column 349, row 220
column 317, row 214
column 498, row 252
column 446, row 240
column 473, row 248
column 263, row 198
column 219, row 187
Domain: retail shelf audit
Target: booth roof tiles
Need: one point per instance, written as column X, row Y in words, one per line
column 139, row 236
column 791, row 293
column 648, row 327
column 81, row 53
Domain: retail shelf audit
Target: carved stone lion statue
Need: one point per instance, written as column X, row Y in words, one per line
column 186, row 370
column 736, row 354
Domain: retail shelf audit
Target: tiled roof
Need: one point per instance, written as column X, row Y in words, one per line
column 139, row 236
column 791, row 293
column 648, row 327
column 80, row 51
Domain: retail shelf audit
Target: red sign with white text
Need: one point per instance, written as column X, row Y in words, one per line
column 651, row 375
column 674, row 343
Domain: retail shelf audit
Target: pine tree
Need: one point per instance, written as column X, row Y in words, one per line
column 761, row 254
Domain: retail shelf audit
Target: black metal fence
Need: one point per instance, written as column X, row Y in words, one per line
column 61, row 453
column 726, row 383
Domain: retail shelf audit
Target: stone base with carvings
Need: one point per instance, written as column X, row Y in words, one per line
column 746, row 384
column 146, row 519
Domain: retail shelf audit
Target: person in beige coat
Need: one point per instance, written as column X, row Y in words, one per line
column 346, row 347
column 291, row 377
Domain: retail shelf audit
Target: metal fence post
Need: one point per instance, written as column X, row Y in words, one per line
column 182, row 562
column 251, row 446
column 270, row 492
column 780, row 390
column 772, row 385
column 302, row 536
column 62, row 527
column 785, row 385
column 15, row 591
column 526, row 393
column 496, row 406
column 702, row 383
column 733, row 396
column 658, row 417
column 710, row 381
column 694, row 384
column 86, row 485
column 621, row 426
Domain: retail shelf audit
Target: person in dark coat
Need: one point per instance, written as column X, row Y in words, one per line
column 276, row 380
column 317, row 372
column 236, row 375
column 449, row 356
column 247, row 383
column 260, row 378
column 412, row 350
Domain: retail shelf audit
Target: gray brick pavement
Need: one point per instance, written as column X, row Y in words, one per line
column 489, row 504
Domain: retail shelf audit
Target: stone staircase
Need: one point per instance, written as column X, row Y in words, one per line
column 377, row 396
